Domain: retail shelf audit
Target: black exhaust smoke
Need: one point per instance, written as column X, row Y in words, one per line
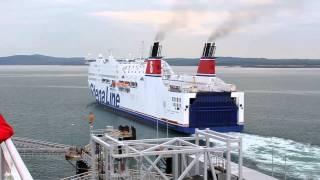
column 209, row 50
column 156, row 50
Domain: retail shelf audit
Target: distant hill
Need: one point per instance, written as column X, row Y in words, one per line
column 40, row 60
column 250, row 62
column 220, row 61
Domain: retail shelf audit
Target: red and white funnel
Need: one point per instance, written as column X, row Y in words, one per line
column 154, row 62
column 207, row 64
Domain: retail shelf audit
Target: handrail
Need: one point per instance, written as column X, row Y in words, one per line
column 85, row 175
column 33, row 143
column 11, row 151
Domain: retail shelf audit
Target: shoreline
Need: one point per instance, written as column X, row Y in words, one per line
column 231, row 66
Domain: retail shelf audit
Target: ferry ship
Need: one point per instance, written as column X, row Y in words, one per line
column 150, row 91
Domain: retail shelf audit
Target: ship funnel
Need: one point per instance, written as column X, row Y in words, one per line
column 208, row 50
column 155, row 50
column 154, row 62
column 207, row 62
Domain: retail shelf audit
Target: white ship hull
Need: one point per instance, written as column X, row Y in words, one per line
column 181, row 102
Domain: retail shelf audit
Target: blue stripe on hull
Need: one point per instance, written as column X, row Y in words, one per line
column 187, row 130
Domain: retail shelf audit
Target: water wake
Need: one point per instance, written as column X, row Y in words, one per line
column 297, row 160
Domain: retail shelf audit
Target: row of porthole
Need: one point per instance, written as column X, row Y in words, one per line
column 134, row 72
column 176, row 99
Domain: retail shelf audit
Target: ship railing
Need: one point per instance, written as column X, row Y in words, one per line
column 86, row 158
column 11, row 164
column 82, row 176
column 135, row 174
column 32, row 147
column 42, row 151
column 32, row 143
column 187, row 83
column 178, row 79
column 97, row 132
column 218, row 159
column 109, row 130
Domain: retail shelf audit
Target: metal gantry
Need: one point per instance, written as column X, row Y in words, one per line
column 31, row 147
column 207, row 155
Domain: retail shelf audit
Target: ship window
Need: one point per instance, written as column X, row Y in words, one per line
column 234, row 99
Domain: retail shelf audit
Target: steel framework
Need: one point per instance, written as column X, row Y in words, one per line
column 207, row 154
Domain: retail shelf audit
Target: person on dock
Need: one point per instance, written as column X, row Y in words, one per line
column 91, row 119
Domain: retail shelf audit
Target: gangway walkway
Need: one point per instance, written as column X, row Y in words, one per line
column 31, row 147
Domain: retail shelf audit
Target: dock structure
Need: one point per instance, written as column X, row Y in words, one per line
column 207, row 155
column 114, row 155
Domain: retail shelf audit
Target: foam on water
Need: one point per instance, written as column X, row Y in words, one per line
column 302, row 160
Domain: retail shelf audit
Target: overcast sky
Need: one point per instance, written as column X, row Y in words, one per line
column 246, row 28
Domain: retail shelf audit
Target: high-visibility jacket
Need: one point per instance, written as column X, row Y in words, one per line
column 6, row 131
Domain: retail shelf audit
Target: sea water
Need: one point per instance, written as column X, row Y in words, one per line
column 281, row 112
